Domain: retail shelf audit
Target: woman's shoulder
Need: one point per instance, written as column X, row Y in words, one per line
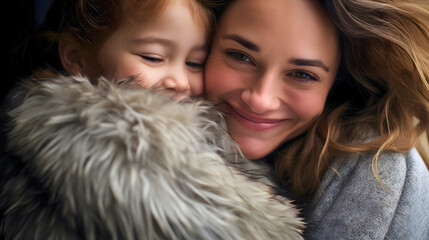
column 387, row 197
column 389, row 170
column 389, row 174
column 382, row 169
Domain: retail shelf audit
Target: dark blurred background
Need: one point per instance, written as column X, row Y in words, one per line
column 23, row 17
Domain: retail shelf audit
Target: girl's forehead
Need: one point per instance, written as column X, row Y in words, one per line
column 148, row 10
column 171, row 19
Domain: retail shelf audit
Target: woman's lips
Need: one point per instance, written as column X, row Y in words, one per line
column 252, row 122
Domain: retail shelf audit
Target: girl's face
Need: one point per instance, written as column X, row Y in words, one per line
column 167, row 52
column 271, row 68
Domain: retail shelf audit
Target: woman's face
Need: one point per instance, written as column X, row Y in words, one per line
column 271, row 68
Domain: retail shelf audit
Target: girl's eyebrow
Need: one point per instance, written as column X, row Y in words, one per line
column 154, row 40
column 242, row 41
column 309, row 62
column 167, row 42
column 202, row 48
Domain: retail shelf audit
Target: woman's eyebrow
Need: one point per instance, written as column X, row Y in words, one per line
column 296, row 61
column 242, row 41
column 309, row 62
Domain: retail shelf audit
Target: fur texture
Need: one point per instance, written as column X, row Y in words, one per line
column 110, row 162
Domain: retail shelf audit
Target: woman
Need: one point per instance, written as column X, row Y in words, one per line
column 336, row 94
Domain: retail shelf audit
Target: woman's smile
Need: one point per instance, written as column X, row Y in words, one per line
column 250, row 120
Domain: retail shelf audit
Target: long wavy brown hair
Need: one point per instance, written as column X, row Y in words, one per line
column 381, row 91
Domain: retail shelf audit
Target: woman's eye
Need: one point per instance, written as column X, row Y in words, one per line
column 152, row 59
column 194, row 65
column 239, row 57
column 303, row 76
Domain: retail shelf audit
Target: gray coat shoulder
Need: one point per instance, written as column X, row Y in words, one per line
column 352, row 204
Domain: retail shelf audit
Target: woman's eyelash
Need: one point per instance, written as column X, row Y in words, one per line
column 243, row 58
column 238, row 56
column 303, row 75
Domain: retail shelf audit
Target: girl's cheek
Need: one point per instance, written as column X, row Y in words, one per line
column 196, row 84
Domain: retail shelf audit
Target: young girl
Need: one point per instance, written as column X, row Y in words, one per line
column 161, row 44
column 90, row 159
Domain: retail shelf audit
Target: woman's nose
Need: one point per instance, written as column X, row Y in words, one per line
column 262, row 95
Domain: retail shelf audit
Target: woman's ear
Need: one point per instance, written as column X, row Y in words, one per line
column 72, row 56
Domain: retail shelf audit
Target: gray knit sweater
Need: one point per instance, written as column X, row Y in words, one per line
column 355, row 205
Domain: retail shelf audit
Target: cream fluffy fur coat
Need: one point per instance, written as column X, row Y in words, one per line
column 113, row 162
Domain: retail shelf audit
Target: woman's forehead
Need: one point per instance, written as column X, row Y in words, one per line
column 278, row 12
column 294, row 26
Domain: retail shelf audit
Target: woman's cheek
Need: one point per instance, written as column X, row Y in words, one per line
column 220, row 78
column 215, row 77
column 308, row 105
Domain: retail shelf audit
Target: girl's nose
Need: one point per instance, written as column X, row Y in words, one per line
column 178, row 82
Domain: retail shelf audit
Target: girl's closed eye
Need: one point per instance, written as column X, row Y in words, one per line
column 152, row 58
column 195, row 65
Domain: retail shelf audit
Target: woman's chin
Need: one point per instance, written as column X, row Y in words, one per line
column 254, row 151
